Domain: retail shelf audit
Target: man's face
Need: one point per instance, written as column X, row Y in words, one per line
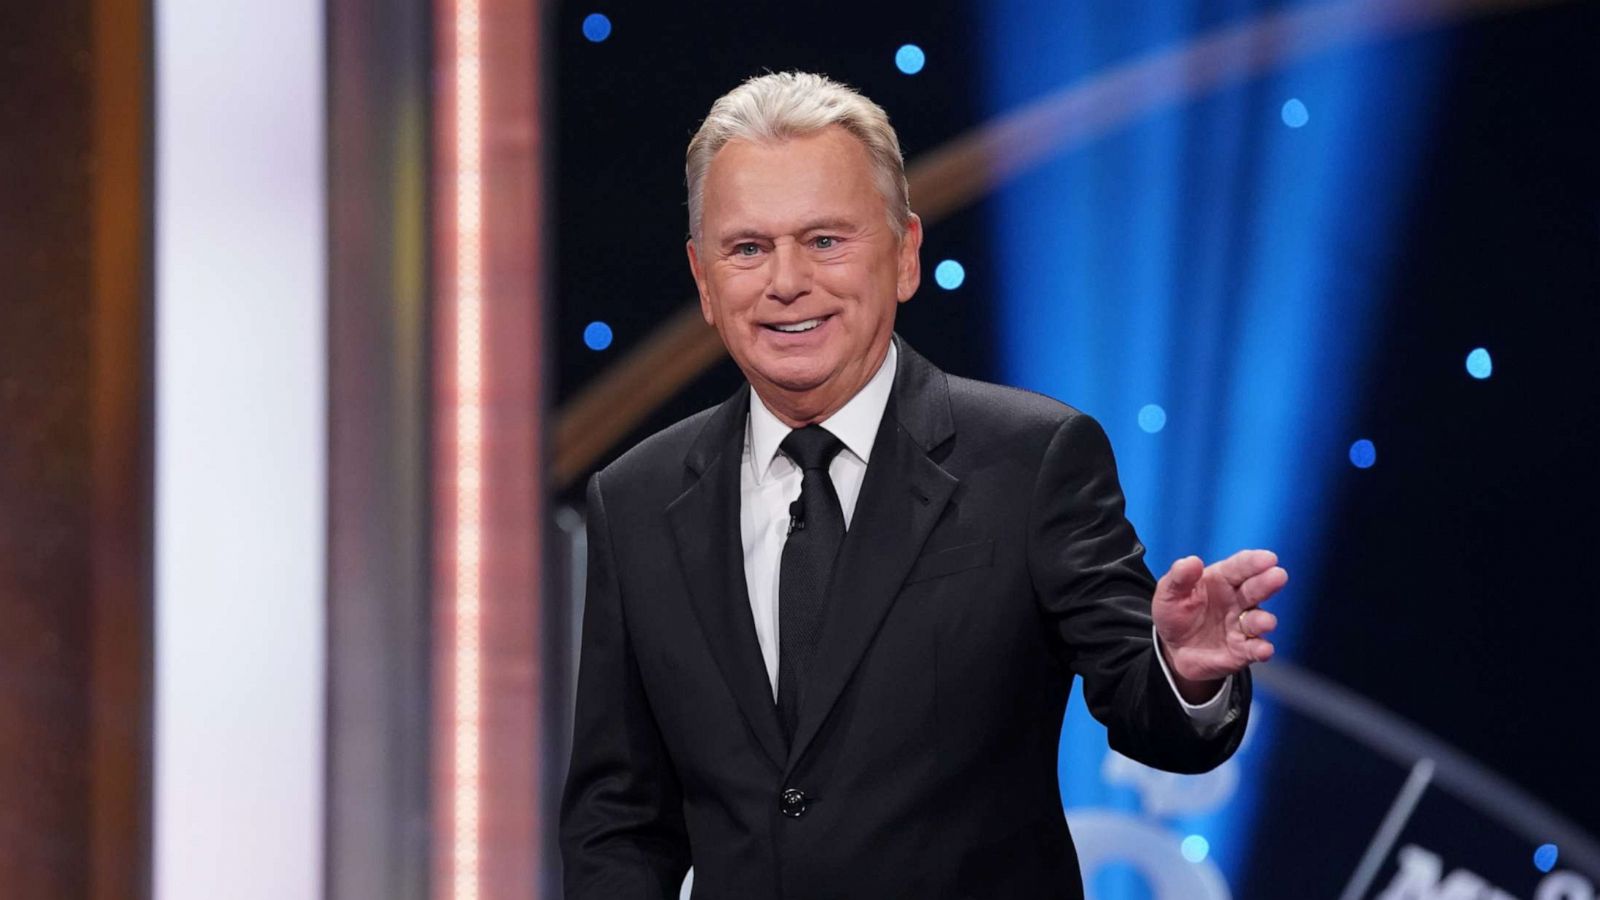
column 799, row 270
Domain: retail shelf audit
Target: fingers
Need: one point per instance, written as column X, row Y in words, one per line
column 1244, row 565
column 1213, row 663
column 1257, row 622
column 1259, row 650
column 1180, row 580
column 1258, row 589
column 1255, row 625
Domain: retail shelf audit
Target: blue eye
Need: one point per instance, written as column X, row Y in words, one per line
column 748, row 248
column 825, row 242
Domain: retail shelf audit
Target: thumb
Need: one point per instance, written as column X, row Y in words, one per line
column 1180, row 579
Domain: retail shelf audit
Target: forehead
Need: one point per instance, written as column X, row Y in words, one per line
column 829, row 171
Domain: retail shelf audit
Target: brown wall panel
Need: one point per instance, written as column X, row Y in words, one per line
column 74, row 512
column 122, row 612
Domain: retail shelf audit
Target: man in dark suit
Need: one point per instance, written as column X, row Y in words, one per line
column 832, row 623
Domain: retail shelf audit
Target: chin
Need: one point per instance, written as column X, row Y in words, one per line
column 795, row 375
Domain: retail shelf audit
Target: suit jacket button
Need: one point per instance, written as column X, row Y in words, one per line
column 792, row 803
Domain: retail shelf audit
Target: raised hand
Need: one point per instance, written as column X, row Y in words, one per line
column 1207, row 619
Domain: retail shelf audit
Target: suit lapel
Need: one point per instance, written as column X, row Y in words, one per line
column 705, row 527
column 901, row 499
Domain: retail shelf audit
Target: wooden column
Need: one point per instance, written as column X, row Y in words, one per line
column 75, row 552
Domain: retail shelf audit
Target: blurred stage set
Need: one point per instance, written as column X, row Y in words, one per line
column 316, row 318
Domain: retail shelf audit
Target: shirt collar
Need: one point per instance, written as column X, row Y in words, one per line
column 855, row 424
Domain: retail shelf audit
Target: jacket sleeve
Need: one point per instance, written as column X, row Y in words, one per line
column 1090, row 579
column 622, row 827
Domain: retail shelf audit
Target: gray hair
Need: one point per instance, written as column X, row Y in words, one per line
column 783, row 105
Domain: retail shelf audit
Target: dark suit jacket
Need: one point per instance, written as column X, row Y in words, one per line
column 988, row 561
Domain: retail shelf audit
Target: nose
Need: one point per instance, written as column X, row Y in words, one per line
column 791, row 273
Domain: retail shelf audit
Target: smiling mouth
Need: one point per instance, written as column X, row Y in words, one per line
column 797, row 327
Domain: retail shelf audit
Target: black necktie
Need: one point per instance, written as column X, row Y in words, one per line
column 816, row 529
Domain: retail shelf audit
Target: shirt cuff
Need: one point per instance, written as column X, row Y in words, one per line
column 1209, row 714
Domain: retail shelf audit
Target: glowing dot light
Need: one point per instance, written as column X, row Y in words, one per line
column 1479, row 365
column 597, row 336
column 1295, row 114
column 1363, row 454
column 910, row 59
column 1544, row 858
column 1152, row 418
column 1195, row 848
column 949, row 274
column 596, row 27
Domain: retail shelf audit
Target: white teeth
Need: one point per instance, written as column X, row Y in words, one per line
column 797, row 327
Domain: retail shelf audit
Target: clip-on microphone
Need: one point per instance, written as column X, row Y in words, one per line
column 797, row 516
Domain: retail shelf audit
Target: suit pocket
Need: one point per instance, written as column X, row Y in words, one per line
column 951, row 560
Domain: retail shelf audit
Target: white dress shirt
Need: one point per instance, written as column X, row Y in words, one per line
column 769, row 483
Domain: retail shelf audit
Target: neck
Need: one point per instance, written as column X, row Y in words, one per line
column 799, row 412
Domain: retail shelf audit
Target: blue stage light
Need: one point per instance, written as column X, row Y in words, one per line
column 1152, row 418
column 1195, row 848
column 949, row 274
column 1295, row 113
column 1544, row 858
column 597, row 336
column 1363, row 454
column 910, row 59
column 1118, row 879
column 1174, row 257
column 596, row 27
column 1479, row 365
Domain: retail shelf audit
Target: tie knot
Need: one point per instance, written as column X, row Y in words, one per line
column 811, row 447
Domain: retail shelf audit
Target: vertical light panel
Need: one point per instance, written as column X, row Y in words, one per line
column 240, row 449
column 488, row 474
column 466, row 792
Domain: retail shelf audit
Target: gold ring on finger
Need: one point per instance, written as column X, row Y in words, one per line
column 1247, row 632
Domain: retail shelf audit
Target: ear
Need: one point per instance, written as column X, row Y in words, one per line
column 910, row 272
column 700, row 283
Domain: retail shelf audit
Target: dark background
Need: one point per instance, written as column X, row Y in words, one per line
column 1459, row 590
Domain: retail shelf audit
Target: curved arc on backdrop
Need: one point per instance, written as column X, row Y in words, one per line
column 1405, row 743
column 953, row 176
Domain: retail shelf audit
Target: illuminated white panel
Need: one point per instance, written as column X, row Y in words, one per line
column 240, row 448
column 466, row 780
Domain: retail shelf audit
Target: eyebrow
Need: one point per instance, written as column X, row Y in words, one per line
column 744, row 234
column 834, row 224
column 748, row 234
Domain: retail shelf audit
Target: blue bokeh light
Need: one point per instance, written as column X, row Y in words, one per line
column 1295, row 114
column 1544, row 858
column 1479, row 364
column 596, row 27
column 1152, row 418
column 597, row 336
column 949, row 274
column 1363, row 454
column 1195, row 848
column 910, row 59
